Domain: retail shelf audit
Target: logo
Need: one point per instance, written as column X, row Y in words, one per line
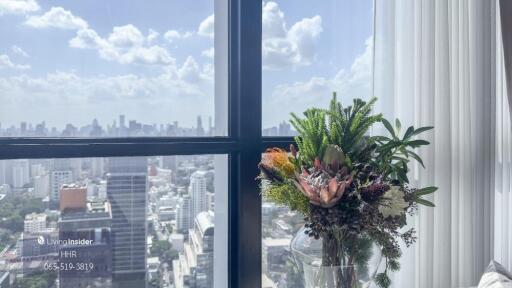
column 40, row 240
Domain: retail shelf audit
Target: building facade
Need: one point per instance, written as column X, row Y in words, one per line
column 126, row 192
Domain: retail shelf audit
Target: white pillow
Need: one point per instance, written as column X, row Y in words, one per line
column 494, row 280
column 495, row 276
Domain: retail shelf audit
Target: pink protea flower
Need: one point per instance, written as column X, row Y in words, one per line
column 321, row 188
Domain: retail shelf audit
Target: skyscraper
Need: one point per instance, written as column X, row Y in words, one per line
column 199, row 128
column 87, row 222
column 184, row 216
column 126, row 192
column 20, row 173
column 197, row 191
column 57, row 179
column 194, row 267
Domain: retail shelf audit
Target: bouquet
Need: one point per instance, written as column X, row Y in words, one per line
column 352, row 188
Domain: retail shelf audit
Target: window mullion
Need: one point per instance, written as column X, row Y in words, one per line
column 245, row 125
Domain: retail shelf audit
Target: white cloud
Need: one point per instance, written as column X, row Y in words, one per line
column 273, row 23
column 166, row 96
column 206, row 28
column 208, row 53
column 190, row 70
column 18, row 51
column 18, row 6
column 125, row 45
column 283, row 47
column 6, row 63
column 173, row 35
column 152, row 35
column 317, row 91
column 57, row 17
column 126, row 36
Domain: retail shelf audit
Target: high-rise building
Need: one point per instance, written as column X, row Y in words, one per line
column 20, row 173
column 194, row 267
column 72, row 197
column 197, row 191
column 126, row 192
column 34, row 223
column 184, row 216
column 57, row 179
column 6, row 172
column 39, row 246
column 90, row 226
column 199, row 128
column 42, row 186
column 97, row 167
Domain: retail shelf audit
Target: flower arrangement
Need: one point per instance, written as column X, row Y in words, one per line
column 352, row 188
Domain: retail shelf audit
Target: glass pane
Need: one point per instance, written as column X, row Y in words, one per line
column 104, row 69
column 114, row 222
column 278, row 227
column 310, row 50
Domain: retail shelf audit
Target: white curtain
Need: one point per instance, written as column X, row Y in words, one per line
column 435, row 65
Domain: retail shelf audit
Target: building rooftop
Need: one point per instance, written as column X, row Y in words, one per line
column 205, row 222
column 35, row 217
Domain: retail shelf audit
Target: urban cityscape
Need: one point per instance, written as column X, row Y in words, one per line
column 122, row 127
column 123, row 221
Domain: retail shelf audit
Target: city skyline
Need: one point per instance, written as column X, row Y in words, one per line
column 158, row 68
column 126, row 127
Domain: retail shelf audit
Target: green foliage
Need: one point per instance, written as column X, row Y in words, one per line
column 288, row 195
column 36, row 280
column 394, row 153
column 382, row 280
column 313, row 135
column 164, row 251
column 422, row 192
column 338, row 137
column 348, row 125
column 14, row 208
column 359, row 248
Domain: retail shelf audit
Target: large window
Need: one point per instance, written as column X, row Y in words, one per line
column 102, row 69
column 92, row 83
column 113, row 222
column 309, row 51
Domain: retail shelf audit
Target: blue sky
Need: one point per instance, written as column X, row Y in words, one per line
column 72, row 61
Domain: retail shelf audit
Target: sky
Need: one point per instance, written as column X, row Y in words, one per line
column 75, row 61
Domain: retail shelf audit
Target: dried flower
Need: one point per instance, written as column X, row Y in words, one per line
column 322, row 189
column 393, row 203
column 373, row 192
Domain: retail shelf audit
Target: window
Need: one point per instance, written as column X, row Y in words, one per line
column 100, row 69
column 234, row 103
column 309, row 50
column 117, row 221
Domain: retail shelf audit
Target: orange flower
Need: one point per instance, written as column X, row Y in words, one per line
column 278, row 159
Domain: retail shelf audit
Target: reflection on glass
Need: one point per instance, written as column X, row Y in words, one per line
column 108, row 222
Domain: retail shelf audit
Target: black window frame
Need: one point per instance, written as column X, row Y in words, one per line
column 243, row 145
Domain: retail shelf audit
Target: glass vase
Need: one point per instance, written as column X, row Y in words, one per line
column 334, row 261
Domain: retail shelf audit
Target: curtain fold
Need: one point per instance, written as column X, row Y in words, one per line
column 435, row 65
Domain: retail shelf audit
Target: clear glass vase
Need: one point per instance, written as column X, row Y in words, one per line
column 336, row 262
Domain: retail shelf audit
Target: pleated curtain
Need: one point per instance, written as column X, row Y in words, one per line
column 437, row 63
